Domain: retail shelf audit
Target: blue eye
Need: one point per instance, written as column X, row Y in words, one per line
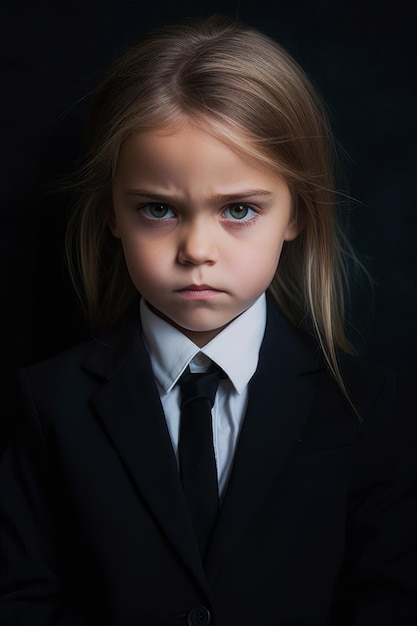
column 239, row 212
column 156, row 211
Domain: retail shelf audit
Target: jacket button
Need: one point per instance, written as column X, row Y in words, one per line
column 199, row 616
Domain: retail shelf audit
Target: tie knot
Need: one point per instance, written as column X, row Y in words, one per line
column 202, row 385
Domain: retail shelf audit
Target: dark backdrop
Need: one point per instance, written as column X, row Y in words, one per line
column 360, row 55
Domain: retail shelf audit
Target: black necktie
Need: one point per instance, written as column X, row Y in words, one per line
column 197, row 462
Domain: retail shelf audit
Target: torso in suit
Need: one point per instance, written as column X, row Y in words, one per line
column 317, row 526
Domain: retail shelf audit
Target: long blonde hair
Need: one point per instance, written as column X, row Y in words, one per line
column 239, row 84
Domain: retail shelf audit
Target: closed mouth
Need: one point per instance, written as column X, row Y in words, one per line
column 198, row 292
column 198, row 288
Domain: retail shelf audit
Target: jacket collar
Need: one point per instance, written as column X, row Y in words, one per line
column 130, row 410
column 289, row 345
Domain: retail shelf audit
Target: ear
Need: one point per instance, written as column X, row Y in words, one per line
column 294, row 228
column 296, row 223
column 112, row 223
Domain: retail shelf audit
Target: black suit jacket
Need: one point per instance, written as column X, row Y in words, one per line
column 317, row 526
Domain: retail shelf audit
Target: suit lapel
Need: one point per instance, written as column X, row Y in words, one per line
column 278, row 408
column 129, row 408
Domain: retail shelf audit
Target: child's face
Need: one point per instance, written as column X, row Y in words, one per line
column 201, row 227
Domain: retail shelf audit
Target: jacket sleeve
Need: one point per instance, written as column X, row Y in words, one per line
column 32, row 581
column 378, row 584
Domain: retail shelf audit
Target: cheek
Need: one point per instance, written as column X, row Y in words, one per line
column 266, row 253
column 141, row 259
column 139, row 249
column 267, row 266
column 256, row 270
column 273, row 244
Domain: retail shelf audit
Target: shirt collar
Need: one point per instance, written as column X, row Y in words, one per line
column 235, row 349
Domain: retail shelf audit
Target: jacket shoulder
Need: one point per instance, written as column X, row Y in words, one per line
column 365, row 381
column 78, row 371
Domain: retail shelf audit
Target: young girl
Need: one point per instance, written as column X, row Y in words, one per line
column 205, row 236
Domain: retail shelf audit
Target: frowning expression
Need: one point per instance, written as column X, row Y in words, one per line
column 201, row 227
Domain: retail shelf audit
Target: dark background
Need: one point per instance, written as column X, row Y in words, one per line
column 360, row 55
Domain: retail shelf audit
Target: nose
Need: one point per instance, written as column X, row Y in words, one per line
column 197, row 245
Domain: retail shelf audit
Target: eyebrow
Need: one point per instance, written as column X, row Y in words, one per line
column 232, row 197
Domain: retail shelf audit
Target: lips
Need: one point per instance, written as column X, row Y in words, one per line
column 198, row 288
column 198, row 292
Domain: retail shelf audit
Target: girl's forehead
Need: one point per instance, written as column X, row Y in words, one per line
column 180, row 143
column 234, row 139
column 191, row 159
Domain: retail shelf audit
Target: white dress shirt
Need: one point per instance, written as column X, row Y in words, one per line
column 235, row 350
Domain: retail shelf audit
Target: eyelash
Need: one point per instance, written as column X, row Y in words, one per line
column 243, row 220
column 152, row 205
column 147, row 207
